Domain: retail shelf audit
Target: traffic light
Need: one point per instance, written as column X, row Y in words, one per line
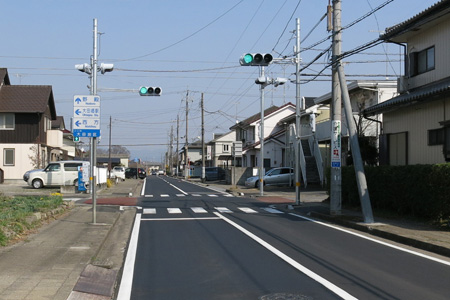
column 76, row 139
column 256, row 59
column 103, row 68
column 149, row 91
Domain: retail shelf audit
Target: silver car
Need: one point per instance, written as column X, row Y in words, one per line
column 276, row 176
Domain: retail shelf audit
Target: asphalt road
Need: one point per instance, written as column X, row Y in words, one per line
column 190, row 242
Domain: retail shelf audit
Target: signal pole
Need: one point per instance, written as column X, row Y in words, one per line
column 93, row 178
column 261, row 131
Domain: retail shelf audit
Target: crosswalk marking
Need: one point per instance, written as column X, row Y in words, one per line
column 272, row 210
column 199, row 210
column 184, row 195
column 247, row 210
column 223, row 210
column 150, row 211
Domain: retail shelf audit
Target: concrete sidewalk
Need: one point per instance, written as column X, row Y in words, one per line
column 70, row 258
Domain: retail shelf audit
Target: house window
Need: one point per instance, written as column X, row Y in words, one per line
column 226, row 148
column 8, row 157
column 422, row 61
column 436, row 137
column 7, row 121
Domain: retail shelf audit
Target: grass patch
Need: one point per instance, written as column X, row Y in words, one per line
column 14, row 212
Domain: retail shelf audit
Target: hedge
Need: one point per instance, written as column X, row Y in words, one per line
column 421, row 191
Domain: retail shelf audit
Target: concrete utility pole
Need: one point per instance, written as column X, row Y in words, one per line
column 109, row 152
column 261, row 140
column 203, row 140
column 335, row 181
column 356, row 153
column 298, row 109
column 178, row 135
column 186, row 148
column 171, row 150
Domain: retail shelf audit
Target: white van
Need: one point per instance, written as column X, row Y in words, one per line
column 56, row 173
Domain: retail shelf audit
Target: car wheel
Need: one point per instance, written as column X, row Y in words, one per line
column 37, row 184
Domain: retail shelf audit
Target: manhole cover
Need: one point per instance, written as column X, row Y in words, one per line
column 285, row 296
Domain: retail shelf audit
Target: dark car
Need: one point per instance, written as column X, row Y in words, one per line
column 135, row 173
column 214, row 173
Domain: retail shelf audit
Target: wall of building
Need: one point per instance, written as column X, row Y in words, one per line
column 417, row 120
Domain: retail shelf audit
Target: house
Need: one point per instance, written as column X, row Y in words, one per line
column 363, row 94
column 248, row 131
column 221, row 150
column 416, row 123
column 27, row 140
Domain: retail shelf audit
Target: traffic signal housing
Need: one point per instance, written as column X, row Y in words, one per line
column 256, row 59
column 149, row 91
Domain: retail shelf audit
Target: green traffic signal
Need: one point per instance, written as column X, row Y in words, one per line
column 248, row 58
column 76, row 139
column 143, row 90
column 256, row 59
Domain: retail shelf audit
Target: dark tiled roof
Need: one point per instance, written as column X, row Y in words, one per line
column 426, row 93
column 4, row 76
column 27, row 99
column 438, row 9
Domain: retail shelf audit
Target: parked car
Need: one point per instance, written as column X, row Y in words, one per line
column 214, row 173
column 55, row 174
column 276, row 176
column 135, row 173
column 118, row 172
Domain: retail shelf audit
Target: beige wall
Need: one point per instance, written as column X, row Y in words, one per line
column 439, row 37
column 417, row 120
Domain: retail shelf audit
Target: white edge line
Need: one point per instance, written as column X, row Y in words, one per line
column 375, row 240
column 335, row 289
column 143, row 188
column 128, row 269
column 181, row 219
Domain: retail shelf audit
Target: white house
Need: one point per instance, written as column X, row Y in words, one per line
column 248, row 131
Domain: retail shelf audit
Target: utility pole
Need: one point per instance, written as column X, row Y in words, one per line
column 109, row 151
column 298, row 109
column 336, row 158
column 170, row 150
column 178, row 135
column 186, row 147
column 261, row 140
column 203, row 140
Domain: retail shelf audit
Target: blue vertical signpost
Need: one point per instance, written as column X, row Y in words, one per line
column 86, row 122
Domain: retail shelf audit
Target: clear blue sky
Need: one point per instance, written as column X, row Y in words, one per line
column 43, row 40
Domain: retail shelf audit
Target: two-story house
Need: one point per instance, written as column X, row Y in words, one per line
column 26, row 137
column 248, row 131
column 221, row 149
column 416, row 124
column 363, row 94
